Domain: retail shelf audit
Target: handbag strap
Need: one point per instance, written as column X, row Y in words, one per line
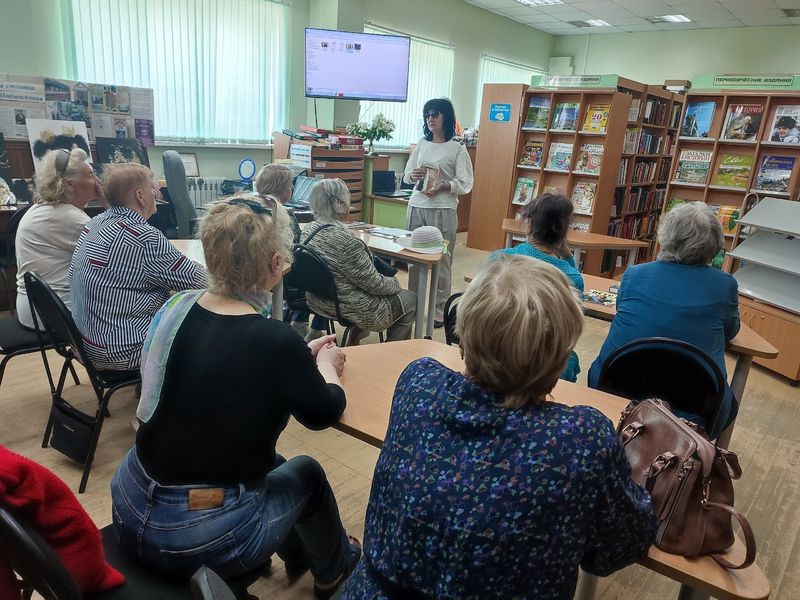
column 320, row 228
column 749, row 538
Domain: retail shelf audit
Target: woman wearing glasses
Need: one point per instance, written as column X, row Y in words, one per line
column 203, row 484
column 49, row 230
column 441, row 169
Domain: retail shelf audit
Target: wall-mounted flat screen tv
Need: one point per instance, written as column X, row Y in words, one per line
column 356, row 66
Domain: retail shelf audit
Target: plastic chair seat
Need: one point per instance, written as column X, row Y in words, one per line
column 14, row 337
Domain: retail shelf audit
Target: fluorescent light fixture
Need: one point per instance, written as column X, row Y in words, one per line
column 669, row 19
column 597, row 23
column 539, row 2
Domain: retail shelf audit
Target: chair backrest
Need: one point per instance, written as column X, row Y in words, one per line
column 34, row 560
column 310, row 273
column 450, row 313
column 11, row 232
column 57, row 323
column 185, row 212
column 675, row 371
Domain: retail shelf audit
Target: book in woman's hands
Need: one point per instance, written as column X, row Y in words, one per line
column 428, row 185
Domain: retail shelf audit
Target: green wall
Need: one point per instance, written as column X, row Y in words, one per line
column 652, row 57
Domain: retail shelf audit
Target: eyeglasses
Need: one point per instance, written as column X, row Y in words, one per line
column 433, row 114
column 256, row 207
column 62, row 160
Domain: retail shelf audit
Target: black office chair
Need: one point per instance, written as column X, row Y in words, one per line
column 8, row 260
column 185, row 212
column 74, row 433
column 40, row 569
column 678, row 372
column 450, row 312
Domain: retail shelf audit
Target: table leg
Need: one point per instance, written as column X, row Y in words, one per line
column 432, row 301
column 738, row 381
column 422, row 284
column 687, row 593
column 587, row 586
column 508, row 240
column 277, row 301
column 632, row 256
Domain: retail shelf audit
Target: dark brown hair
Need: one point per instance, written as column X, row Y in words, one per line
column 549, row 216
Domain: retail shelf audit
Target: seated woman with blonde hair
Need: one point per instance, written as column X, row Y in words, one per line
column 369, row 300
column 485, row 487
column 203, row 484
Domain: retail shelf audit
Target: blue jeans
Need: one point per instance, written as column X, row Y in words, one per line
column 291, row 511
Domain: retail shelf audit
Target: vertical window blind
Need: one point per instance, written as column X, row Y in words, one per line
column 218, row 68
column 497, row 70
column 430, row 75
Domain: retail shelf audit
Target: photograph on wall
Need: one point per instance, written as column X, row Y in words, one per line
column 57, row 90
column 110, row 98
column 45, row 135
column 142, row 103
column 13, row 121
column 117, row 150
column 144, row 131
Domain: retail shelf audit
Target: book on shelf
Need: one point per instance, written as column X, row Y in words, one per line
column 633, row 111
column 785, row 125
column 565, row 116
column 631, row 140
column 560, row 156
column 532, row 154
column 589, row 158
column 600, row 297
column 538, row 113
column 733, row 170
column 583, row 197
column 774, row 173
column 675, row 118
column 554, row 189
column 719, row 259
column 596, row 118
column 697, row 122
column 742, row 122
column 693, row 166
column 673, row 202
column 654, row 111
column 728, row 216
column 524, row 192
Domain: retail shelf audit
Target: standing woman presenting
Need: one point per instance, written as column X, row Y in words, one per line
column 439, row 149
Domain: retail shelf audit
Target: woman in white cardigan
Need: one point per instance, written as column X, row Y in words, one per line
column 443, row 158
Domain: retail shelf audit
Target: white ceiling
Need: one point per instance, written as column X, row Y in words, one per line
column 628, row 15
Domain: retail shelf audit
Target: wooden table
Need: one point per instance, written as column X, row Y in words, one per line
column 193, row 249
column 369, row 379
column 580, row 240
column 430, row 270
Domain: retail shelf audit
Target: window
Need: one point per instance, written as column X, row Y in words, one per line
column 497, row 70
column 430, row 75
column 219, row 70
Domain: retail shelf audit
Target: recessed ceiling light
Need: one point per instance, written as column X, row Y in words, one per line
column 791, row 12
column 669, row 19
column 539, row 2
column 590, row 23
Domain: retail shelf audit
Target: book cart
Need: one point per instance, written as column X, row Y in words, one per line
column 647, row 154
column 731, row 165
column 564, row 152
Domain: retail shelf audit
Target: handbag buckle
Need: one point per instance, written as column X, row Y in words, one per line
column 630, row 431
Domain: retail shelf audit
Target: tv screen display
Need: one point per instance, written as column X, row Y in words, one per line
column 356, row 66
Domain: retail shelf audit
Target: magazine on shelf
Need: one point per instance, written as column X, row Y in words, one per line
column 589, row 158
column 596, row 118
column 560, row 156
column 734, row 170
column 697, row 122
column 774, row 173
column 538, row 113
column 728, row 216
column 718, row 260
column 583, row 197
column 742, row 122
column 675, row 202
column 554, row 189
column 693, row 166
column 524, row 192
column 565, row 116
column 532, row 154
column 785, row 125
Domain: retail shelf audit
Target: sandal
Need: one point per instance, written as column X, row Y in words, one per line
column 325, row 593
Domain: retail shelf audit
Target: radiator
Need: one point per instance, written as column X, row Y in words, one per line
column 203, row 190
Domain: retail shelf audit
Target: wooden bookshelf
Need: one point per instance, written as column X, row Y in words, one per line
column 347, row 165
column 647, row 156
column 501, row 146
column 711, row 191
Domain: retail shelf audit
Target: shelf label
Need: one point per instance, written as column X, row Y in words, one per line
column 747, row 80
column 575, row 81
column 500, row 112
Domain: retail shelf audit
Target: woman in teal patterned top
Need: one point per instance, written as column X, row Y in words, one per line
column 549, row 217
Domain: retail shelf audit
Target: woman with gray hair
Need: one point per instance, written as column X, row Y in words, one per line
column 680, row 296
column 369, row 300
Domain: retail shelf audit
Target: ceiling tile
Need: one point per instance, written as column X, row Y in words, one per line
column 749, row 4
column 634, row 27
column 674, row 26
column 712, row 24
column 788, row 3
column 649, row 9
column 756, row 22
column 539, row 19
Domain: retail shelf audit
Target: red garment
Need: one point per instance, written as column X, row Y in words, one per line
column 39, row 496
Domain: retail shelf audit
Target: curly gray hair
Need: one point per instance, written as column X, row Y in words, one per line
column 690, row 234
column 329, row 199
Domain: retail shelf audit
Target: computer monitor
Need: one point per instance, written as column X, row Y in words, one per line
column 383, row 181
column 302, row 189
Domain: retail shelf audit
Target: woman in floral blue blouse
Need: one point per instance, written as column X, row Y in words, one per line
column 484, row 488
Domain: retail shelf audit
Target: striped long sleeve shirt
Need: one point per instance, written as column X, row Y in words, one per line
column 121, row 273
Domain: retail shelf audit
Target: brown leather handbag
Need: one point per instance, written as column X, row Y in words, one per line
column 689, row 480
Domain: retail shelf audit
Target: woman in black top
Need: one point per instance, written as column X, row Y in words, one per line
column 203, row 485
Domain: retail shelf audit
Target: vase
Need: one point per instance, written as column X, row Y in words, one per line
column 369, row 147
